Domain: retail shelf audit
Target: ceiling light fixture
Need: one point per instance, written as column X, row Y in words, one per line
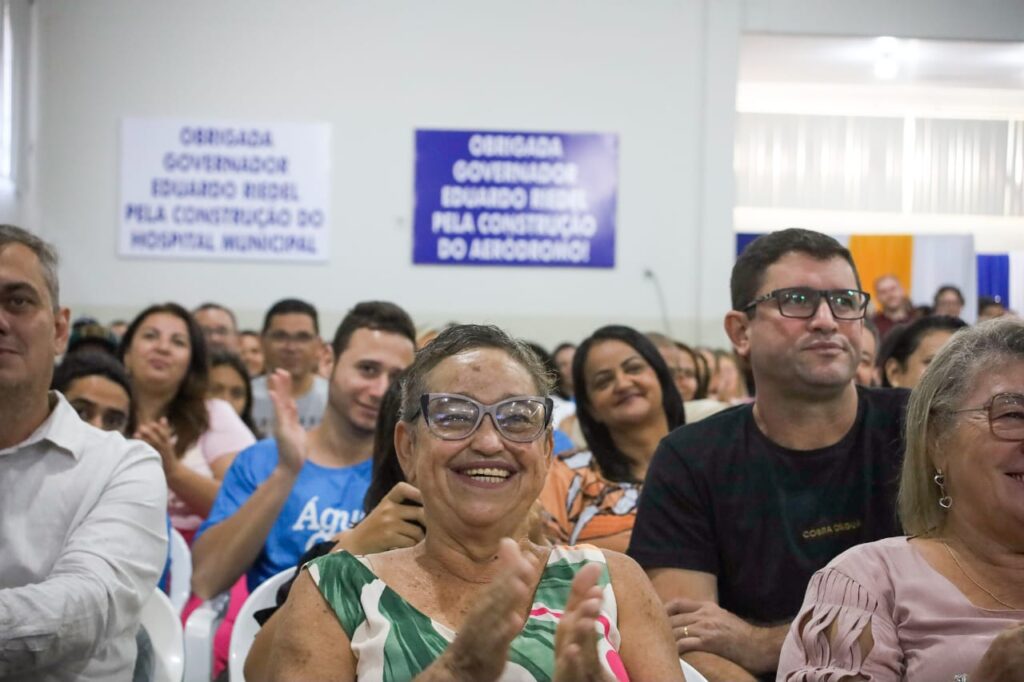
column 888, row 57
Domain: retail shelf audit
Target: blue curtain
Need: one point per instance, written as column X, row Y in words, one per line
column 994, row 277
column 742, row 239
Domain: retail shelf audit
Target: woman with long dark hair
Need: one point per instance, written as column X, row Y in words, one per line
column 626, row 402
column 165, row 354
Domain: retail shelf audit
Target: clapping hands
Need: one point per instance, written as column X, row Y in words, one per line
column 160, row 436
column 481, row 649
column 288, row 432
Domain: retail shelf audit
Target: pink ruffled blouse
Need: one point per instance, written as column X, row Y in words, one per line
column 924, row 628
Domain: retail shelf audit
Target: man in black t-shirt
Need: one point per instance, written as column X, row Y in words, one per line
column 739, row 510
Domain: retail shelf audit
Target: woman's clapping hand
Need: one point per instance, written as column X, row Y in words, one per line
column 1004, row 660
column 576, row 657
column 480, row 650
column 160, row 436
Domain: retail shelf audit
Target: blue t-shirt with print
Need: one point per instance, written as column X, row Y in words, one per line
column 324, row 501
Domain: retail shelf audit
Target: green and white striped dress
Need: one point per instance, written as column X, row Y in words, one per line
column 393, row 641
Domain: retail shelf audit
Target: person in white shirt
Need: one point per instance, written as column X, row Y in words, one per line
column 82, row 511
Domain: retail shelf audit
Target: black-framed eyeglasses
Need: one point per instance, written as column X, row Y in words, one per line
column 803, row 302
column 1005, row 415
column 451, row 416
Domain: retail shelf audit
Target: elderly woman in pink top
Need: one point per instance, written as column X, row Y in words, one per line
column 945, row 604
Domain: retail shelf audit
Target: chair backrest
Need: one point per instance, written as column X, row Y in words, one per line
column 246, row 627
column 200, row 630
column 181, row 571
column 163, row 625
column 690, row 673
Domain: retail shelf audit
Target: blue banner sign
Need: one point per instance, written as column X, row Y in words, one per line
column 508, row 198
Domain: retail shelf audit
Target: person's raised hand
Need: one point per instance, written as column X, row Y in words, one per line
column 288, row 432
column 160, row 436
column 1004, row 659
column 576, row 657
column 390, row 525
column 480, row 650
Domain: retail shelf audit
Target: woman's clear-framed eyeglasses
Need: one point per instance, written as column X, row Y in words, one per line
column 1005, row 415
column 803, row 302
column 451, row 416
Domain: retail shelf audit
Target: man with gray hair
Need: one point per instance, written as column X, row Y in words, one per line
column 82, row 511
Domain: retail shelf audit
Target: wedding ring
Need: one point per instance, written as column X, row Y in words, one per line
column 686, row 631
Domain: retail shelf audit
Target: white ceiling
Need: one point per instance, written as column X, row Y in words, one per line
column 844, row 60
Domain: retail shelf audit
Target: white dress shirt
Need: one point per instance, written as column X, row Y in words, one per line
column 83, row 540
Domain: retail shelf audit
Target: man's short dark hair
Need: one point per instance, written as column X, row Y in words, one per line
column 377, row 315
column 216, row 306
column 289, row 306
column 87, row 364
column 748, row 272
column 988, row 302
column 47, row 255
column 948, row 287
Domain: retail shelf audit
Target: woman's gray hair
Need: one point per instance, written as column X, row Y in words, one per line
column 930, row 419
column 47, row 255
column 459, row 339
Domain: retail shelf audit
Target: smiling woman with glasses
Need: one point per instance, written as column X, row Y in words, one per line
column 476, row 599
column 946, row 602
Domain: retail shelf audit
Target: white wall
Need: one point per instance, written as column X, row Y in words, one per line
column 376, row 73
column 16, row 192
column 660, row 73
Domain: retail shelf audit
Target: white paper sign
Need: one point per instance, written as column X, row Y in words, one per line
column 224, row 190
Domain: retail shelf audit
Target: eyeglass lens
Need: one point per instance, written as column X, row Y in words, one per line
column 454, row 418
column 800, row 302
column 1006, row 415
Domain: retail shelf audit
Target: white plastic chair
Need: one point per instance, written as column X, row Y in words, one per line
column 246, row 627
column 163, row 625
column 181, row 571
column 199, row 633
column 691, row 674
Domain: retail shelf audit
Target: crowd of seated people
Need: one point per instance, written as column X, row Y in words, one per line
column 459, row 504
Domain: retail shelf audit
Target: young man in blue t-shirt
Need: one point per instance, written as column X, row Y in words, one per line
column 274, row 505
